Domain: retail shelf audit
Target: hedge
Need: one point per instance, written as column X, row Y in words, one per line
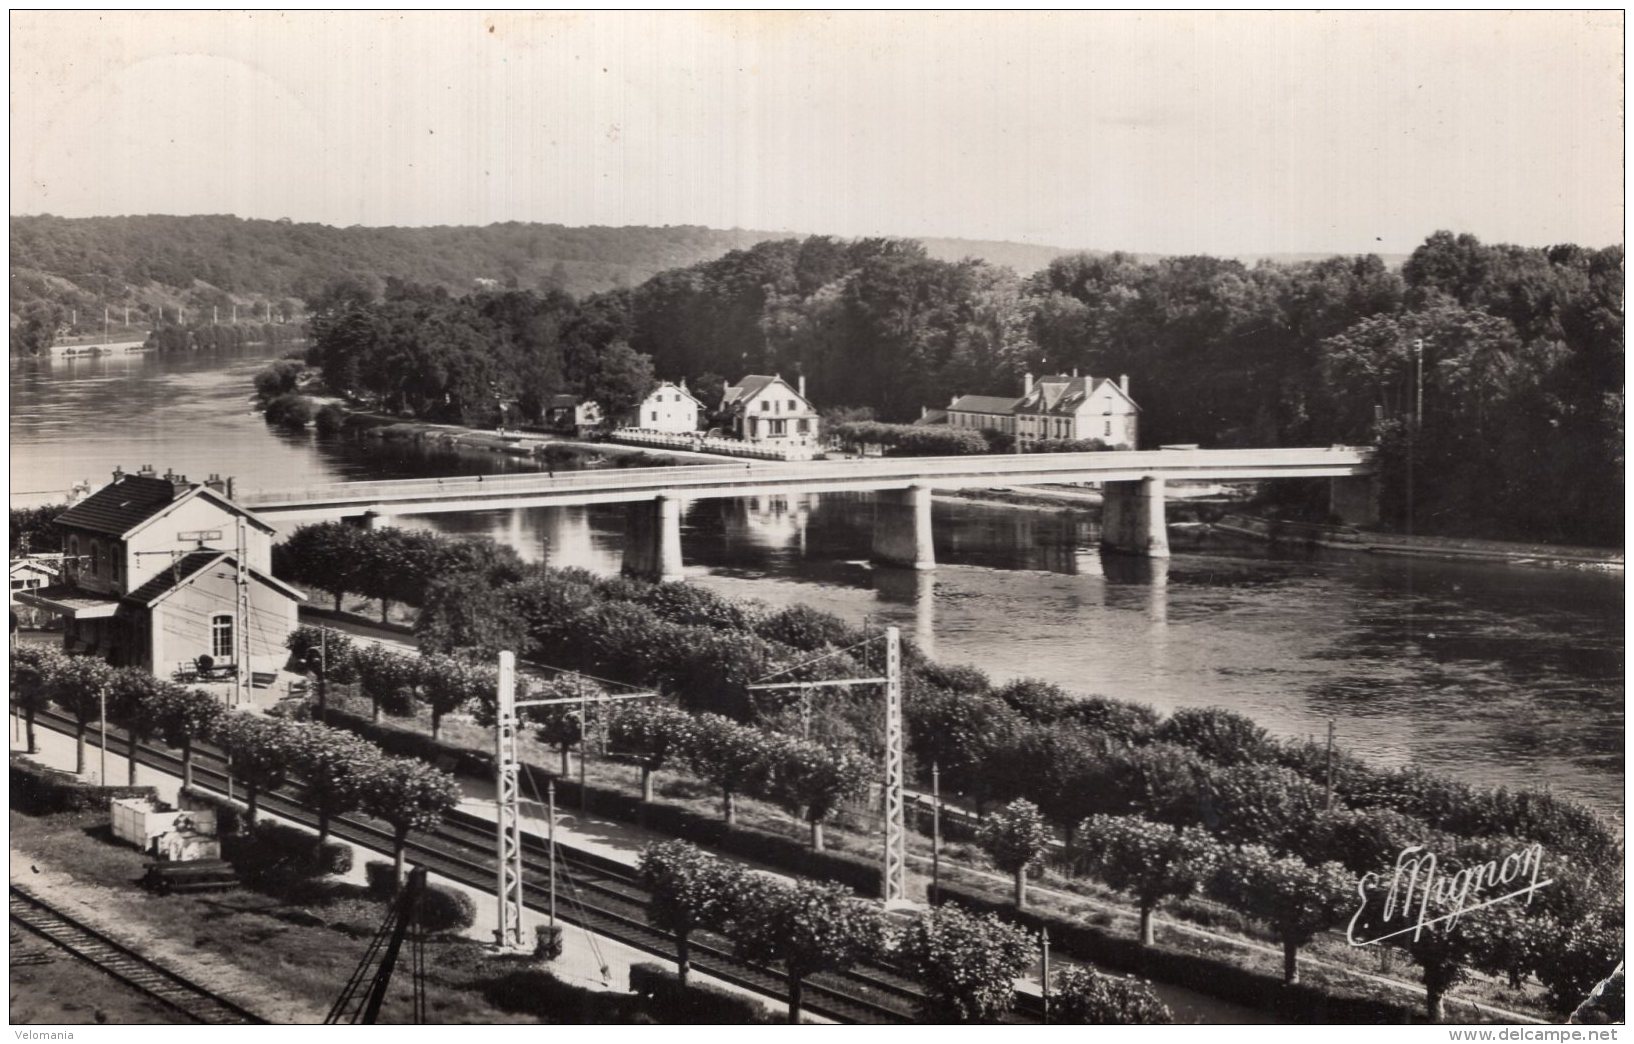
column 444, row 909
column 697, row 1002
column 38, row 790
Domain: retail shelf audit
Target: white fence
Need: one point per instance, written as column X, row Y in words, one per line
column 797, row 450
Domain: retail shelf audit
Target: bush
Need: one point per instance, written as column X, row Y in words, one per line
column 331, row 420
column 38, row 790
column 290, row 411
column 444, row 909
column 699, row 1002
column 380, row 878
column 334, row 858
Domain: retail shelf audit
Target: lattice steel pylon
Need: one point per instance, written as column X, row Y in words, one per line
column 508, row 935
column 895, row 887
column 894, row 867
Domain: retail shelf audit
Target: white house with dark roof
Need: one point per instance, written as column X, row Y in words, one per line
column 152, row 578
column 668, row 408
column 769, row 410
column 1058, row 407
column 1077, row 408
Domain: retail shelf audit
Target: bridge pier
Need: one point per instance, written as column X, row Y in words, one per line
column 902, row 530
column 1355, row 499
column 652, row 539
column 367, row 520
column 1133, row 520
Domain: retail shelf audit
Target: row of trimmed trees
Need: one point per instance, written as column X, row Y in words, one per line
column 968, row 964
column 336, row 771
column 1567, row 944
column 809, row 778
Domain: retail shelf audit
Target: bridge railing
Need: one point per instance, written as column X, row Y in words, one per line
column 1072, row 466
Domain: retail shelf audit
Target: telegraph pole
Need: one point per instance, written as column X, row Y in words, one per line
column 935, row 833
column 1328, row 804
column 241, row 685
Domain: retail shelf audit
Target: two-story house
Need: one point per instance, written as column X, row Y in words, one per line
column 763, row 409
column 668, row 408
column 158, row 571
column 1077, row 408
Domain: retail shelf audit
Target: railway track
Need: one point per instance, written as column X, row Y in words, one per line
column 595, row 893
column 182, row 994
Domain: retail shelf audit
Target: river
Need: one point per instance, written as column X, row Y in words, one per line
column 1495, row 674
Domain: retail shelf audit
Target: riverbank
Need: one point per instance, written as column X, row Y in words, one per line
column 1279, row 532
column 523, row 444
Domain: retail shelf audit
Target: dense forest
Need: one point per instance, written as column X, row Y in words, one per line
column 66, row 270
column 1520, row 364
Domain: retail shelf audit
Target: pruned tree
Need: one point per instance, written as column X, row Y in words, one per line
column 333, row 765
column 385, row 676
column 408, row 794
column 32, row 670
column 688, row 889
column 1297, row 900
column 262, row 752
column 182, row 718
column 1083, row 996
column 735, row 758
column 1148, row 861
column 807, row 927
column 133, row 701
column 80, row 685
column 448, row 683
column 967, row 963
column 652, row 735
column 812, row 779
column 1016, row 838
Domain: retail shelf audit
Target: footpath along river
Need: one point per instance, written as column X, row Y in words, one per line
column 1499, row 675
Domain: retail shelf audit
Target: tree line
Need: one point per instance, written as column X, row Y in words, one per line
column 966, row 963
column 336, row 771
column 1517, row 353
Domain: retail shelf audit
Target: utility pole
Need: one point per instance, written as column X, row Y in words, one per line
column 1418, row 421
column 894, row 885
column 1044, row 941
column 550, row 830
column 935, row 833
column 507, row 794
column 241, row 685
column 1328, row 804
column 508, row 936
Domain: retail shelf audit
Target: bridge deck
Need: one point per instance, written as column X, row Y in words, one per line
column 749, row 478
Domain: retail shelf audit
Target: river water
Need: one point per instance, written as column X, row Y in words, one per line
column 1495, row 674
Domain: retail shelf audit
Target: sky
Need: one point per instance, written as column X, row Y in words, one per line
column 1181, row 132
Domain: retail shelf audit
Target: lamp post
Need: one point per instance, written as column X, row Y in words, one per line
column 1417, row 422
column 935, row 833
column 102, row 753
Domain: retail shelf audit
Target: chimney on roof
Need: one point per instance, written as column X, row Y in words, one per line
column 118, row 473
column 1123, row 383
column 1026, row 383
column 216, row 483
column 802, row 386
column 146, row 471
column 924, row 411
column 178, row 483
column 1075, row 371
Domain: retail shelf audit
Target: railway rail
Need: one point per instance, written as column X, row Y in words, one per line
column 598, row 894
column 125, row 964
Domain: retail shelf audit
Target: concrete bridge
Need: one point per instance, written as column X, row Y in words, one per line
column 1132, row 513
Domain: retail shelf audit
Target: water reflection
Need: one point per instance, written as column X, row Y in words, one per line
column 1498, row 675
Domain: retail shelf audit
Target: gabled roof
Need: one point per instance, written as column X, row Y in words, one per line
column 984, row 404
column 187, row 568
column 672, row 386
column 747, row 388
column 932, row 417
column 123, row 507
column 119, row 507
column 1061, row 394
